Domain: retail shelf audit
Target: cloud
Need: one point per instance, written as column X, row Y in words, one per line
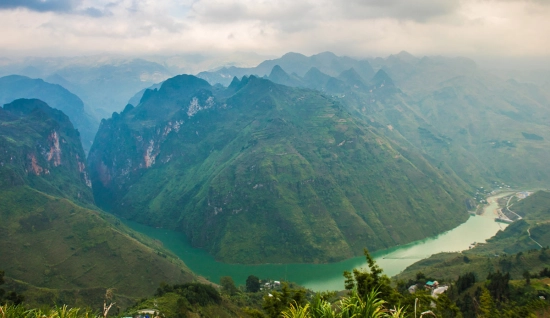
column 274, row 27
column 420, row 10
column 95, row 12
column 39, row 5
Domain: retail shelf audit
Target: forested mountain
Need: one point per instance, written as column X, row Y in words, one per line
column 41, row 149
column 261, row 172
column 55, row 246
column 15, row 87
column 463, row 118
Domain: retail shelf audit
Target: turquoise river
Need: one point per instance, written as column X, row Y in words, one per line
column 320, row 277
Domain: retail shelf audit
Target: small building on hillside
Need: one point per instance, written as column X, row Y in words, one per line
column 148, row 313
column 432, row 284
column 438, row 291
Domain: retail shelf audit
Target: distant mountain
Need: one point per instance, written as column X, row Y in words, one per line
column 352, row 78
column 54, row 250
column 137, row 97
column 261, row 172
column 278, row 75
column 447, row 108
column 15, row 87
column 326, row 62
column 106, row 87
column 104, row 83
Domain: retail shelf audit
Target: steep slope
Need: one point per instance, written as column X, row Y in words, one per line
column 462, row 118
column 268, row 174
column 15, row 87
column 279, row 76
column 40, row 147
column 52, row 249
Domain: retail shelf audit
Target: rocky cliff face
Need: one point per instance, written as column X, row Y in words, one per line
column 261, row 172
column 53, row 248
column 39, row 147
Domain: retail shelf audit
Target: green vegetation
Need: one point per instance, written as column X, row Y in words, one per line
column 261, row 172
column 56, row 247
column 39, row 147
column 369, row 294
column 252, row 284
column 10, row 311
column 10, row 297
column 465, row 121
column 15, row 87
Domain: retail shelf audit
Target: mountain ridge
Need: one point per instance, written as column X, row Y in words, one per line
column 241, row 161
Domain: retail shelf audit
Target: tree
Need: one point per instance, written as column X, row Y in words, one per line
column 465, row 281
column 228, row 285
column 252, row 284
column 11, row 297
column 373, row 279
column 527, row 277
column 487, row 307
column 277, row 302
column 498, row 286
column 420, row 276
column 446, row 308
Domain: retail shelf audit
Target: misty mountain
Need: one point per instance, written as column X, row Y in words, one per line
column 104, row 83
column 15, row 87
column 326, row 62
column 450, row 110
column 261, row 172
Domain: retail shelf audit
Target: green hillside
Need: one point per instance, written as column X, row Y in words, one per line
column 260, row 173
column 58, row 252
column 55, row 247
column 40, row 147
column 463, row 119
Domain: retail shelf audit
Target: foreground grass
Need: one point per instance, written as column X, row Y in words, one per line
column 18, row 311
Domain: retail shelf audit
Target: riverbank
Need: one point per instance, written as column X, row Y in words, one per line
column 320, row 277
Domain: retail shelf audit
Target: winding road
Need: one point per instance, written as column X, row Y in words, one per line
column 529, row 232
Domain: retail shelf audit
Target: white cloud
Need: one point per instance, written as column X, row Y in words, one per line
column 356, row 27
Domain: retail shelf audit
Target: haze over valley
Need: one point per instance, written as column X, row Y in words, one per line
column 233, row 159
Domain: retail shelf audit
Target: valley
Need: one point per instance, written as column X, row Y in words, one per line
column 286, row 173
column 274, row 159
column 322, row 277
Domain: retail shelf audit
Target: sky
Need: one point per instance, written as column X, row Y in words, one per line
column 360, row 28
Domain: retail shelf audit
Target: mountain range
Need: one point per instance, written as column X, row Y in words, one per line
column 299, row 159
column 250, row 169
column 447, row 108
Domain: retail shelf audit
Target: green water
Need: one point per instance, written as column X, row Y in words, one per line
column 320, row 277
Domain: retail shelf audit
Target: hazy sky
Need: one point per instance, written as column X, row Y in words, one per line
column 474, row 28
